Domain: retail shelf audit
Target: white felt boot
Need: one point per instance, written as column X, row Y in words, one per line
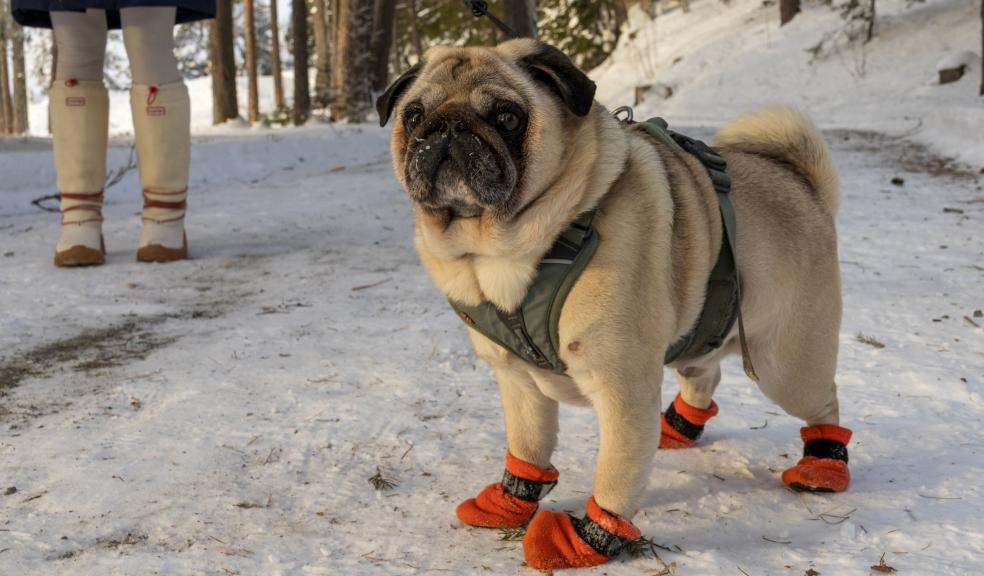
column 162, row 126
column 80, row 132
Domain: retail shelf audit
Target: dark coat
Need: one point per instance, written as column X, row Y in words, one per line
column 35, row 12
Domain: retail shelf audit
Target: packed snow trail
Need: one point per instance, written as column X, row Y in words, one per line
column 224, row 415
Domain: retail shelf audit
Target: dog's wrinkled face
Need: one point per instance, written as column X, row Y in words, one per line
column 472, row 122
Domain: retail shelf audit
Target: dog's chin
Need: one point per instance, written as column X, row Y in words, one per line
column 443, row 216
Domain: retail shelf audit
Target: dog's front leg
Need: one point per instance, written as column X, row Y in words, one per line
column 628, row 418
column 531, row 436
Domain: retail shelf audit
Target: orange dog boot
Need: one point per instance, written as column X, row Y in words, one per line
column 683, row 424
column 824, row 464
column 555, row 540
column 512, row 502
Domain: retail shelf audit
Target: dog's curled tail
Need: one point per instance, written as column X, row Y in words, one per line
column 787, row 136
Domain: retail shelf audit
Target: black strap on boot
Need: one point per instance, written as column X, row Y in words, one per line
column 603, row 541
column 524, row 489
column 825, row 448
column 685, row 427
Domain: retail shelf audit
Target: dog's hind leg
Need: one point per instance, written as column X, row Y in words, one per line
column 796, row 368
column 531, row 436
column 684, row 419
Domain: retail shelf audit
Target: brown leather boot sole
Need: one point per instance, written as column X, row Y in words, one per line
column 161, row 254
column 77, row 256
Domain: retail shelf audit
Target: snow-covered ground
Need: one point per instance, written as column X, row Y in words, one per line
column 223, row 415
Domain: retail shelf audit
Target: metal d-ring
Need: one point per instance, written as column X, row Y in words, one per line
column 623, row 114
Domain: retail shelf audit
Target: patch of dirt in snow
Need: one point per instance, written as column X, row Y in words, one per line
column 96, row 349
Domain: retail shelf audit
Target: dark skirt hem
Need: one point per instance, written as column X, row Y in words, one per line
column 36, row 13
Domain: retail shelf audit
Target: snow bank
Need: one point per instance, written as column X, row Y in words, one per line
column 721, row 60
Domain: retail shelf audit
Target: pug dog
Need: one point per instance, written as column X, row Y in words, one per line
column 501, row 150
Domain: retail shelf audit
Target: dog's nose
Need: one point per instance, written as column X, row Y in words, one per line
column 448, row 126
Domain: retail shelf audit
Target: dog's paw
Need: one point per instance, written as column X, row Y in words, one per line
column 555, row 540
column 682, row 424
column 494, row 508
column 818, row 475
column 824, row 465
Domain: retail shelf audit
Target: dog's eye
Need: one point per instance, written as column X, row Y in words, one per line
column 508, row 121
column 412, row 118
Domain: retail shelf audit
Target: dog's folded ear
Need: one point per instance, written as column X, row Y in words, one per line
column 388, row 99
column 555, row 69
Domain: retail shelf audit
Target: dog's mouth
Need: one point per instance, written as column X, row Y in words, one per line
column 455, row 174
column 449, row 197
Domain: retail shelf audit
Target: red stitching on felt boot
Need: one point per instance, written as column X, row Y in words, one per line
column 495, row 508
column 672, row 438
column 815, row 474
column 552, row 541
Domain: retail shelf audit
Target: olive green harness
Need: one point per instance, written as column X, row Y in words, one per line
column 531, row 331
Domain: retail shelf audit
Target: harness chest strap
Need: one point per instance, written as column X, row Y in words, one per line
column 531, row 331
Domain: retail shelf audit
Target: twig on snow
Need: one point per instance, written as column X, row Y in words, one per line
column 380, row 482
column 373, row 285
column 882, row 567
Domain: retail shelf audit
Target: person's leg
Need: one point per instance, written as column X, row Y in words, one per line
column 81, row 41
column 79, row 111
column 162, row 126
column 148, row 34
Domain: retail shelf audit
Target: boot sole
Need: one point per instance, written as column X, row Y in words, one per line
column 162, row 254
column 815, row 489
column 79, row 256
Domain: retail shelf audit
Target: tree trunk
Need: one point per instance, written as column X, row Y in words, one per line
column 19, row 80
column 787, row 10
column 982, row 48
column 621, row 10
column 339, row 71
column 302, row 94
column 870, row 31
column 359, row 61
column 6, row 108
column 322, row 54
column 278, row 75
column 351, row 87
column 382, row 41
column 520, row 15
column 225, row 105
column 253, row 105
column 418, row 46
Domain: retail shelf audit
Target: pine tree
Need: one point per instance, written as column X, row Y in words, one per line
column 322, row 54
column 302, row 95
column 350, row 73
column 6, row 106
column 191, row 49
column 278, row 76
column 520, row 15
column 339, row 72
column 19, row 78
column 587, row 31
column 787, row 10
column 253, row 104
column 222, row 59
column 382, row 40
